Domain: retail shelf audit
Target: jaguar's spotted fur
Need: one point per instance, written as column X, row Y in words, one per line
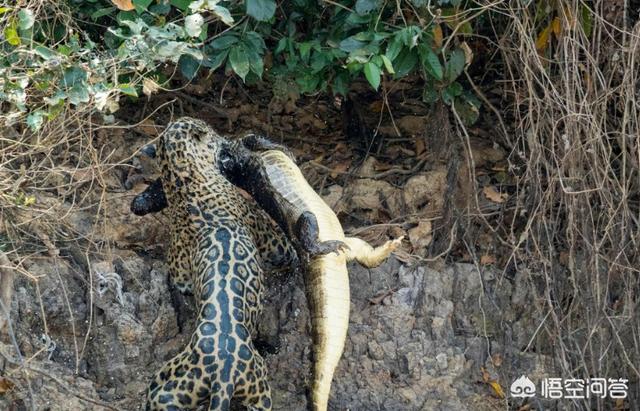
column 219, row 241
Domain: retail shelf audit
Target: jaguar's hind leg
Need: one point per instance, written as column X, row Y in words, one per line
column 178, row 386
column 274, row 248
column 253, row 388
column 368, row 256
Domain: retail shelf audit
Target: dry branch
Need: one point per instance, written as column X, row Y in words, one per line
column 7, row 276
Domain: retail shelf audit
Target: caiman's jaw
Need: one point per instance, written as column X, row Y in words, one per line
column 150, row 200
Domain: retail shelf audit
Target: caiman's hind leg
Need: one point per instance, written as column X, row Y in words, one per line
column 368, row 256
column 306, row 229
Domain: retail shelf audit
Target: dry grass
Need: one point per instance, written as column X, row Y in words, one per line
column 573, row 114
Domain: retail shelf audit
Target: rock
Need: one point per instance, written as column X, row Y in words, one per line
column 420, row 236
column 415, row 350
column 375, row 350
column 372, row 196
column 332, row 197
column 441, row 361
column 412, row 125
column 424, row 193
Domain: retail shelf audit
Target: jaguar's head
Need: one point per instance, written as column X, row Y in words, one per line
column 190, row 154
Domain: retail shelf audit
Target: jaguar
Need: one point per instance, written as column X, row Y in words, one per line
column 220, row 244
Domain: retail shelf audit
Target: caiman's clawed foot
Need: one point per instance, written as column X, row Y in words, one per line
column 393, row 245
column 326, row 247
column 368, row 256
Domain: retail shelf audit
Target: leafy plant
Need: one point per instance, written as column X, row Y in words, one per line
column 93, row 52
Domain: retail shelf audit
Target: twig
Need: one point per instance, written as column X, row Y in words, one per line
column 199, row 103
column 7, row 276
column 379, row 176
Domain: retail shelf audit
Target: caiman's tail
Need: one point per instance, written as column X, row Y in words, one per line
column 328, row 283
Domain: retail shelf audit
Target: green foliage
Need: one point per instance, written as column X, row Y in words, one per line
column 96, row 53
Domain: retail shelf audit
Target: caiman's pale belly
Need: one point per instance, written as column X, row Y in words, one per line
column 327, row 280
column 292, row 185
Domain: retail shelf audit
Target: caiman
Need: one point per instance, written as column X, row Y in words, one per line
column 268, row 172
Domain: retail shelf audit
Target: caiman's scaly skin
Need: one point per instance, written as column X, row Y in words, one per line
column 277, row 184
column 218, row 242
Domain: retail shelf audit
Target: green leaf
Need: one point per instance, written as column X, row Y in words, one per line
column 430, row 62
column 64, row 50
column 257, row 66
column 387, row 64
column 162, row 9
column 372, row 73
column 203, row 32
column 340, row 83
column 35, row 119
column 255, row 41
column 172, row 50
column 410, row 36
column 393, row 48
column 215, row 61
column 141, row 5
column 73, row 75
column 102, row 12
column 467, row 111
column 283, row 43
column 447, row 98
column 366, row 6
column 11, row 34
column 359, row 55
column 128, row 90
column 189, row 66
column 405, row 62
column 587, row 20
column 455, row 65
column 25, row 19
column 261, row 10
column 239, row 60
column 135, row 26
column 455, row 89
column 320, row 60
column 304, row 49
column 466, row 28
column 44, row 52
column 123, row 16
column 365, row 36
column 223, row 13
column 57, row 99
column 181, row 4
column 351, row 44
column 308, row 82
column 355, row 19
column 78, row 94
column 224, row 42
column 429, row 94
column 4, row 10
